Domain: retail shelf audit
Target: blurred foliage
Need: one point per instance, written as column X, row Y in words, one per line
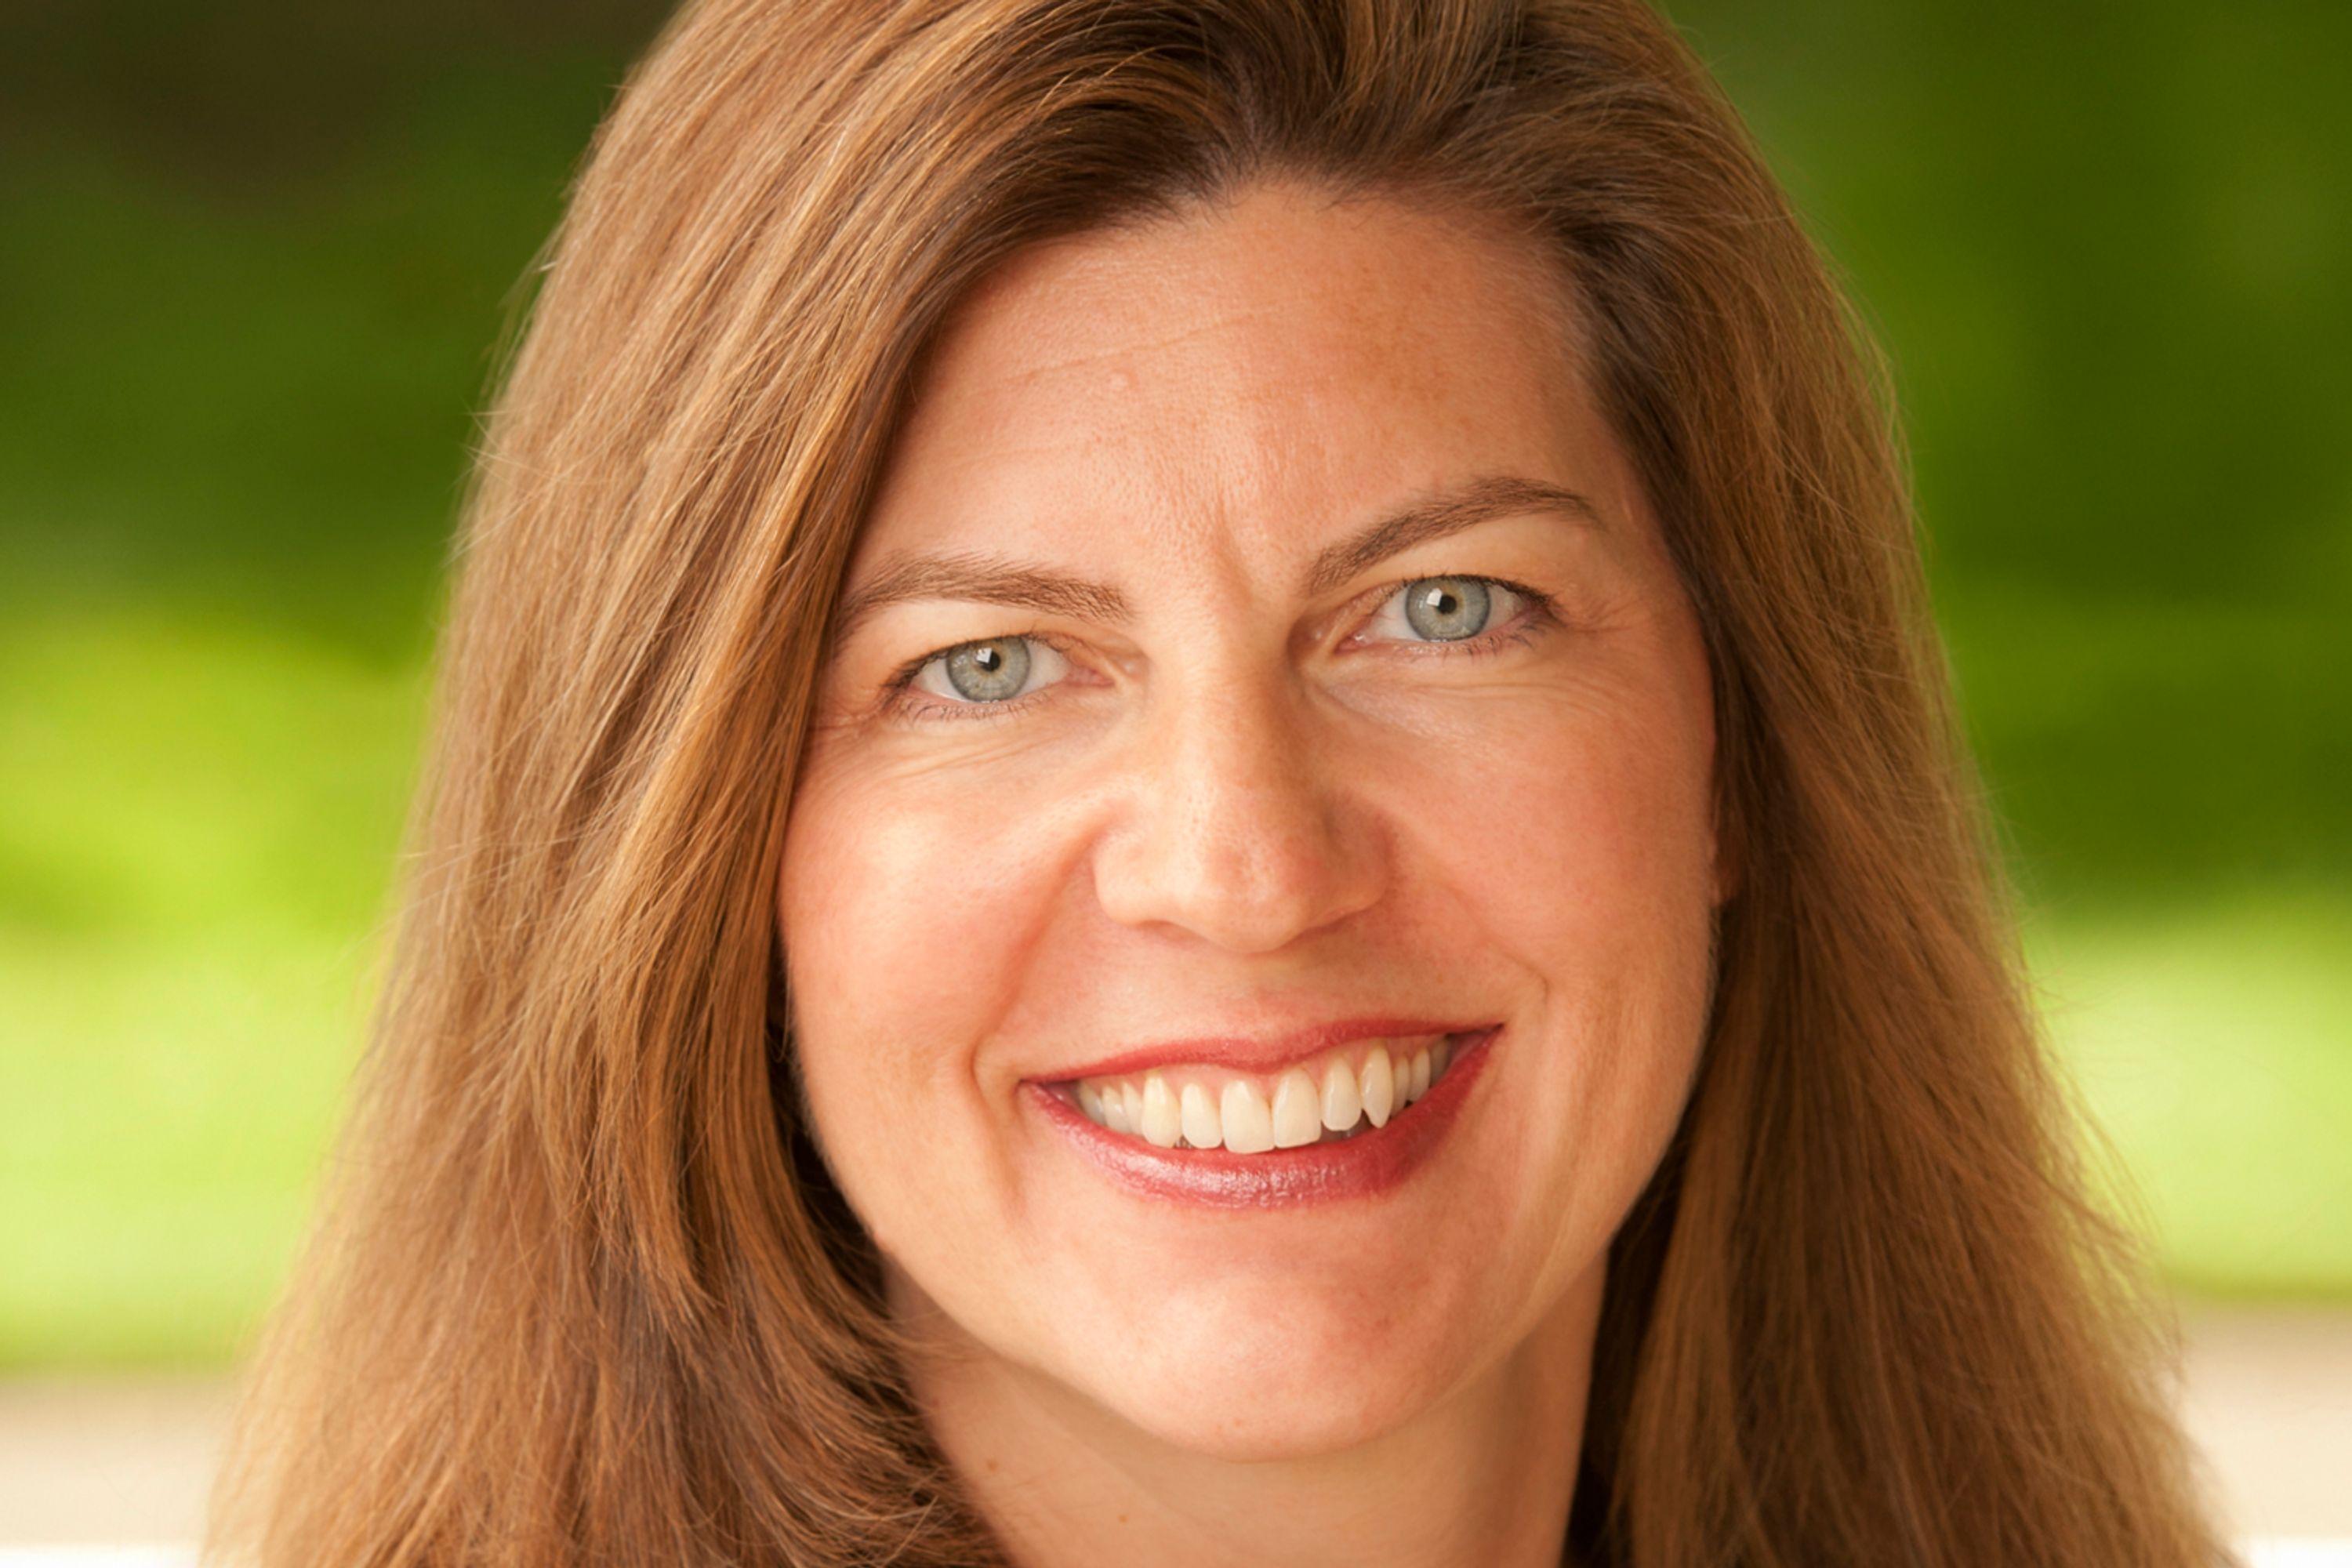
column 256, row 259
column 2108, row 247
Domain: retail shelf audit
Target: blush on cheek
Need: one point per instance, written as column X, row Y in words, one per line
column 1575, row 831
column 899, row 929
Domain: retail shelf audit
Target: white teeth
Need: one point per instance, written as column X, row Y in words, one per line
column 1324, row 1099
column 1248, row 1124
column 1380, row 1088
column 1162, row 1123
column 1201, row 1129
column 1297, row 1119
column 1342, row 1101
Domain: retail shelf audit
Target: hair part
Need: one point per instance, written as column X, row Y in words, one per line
column 580, row 1290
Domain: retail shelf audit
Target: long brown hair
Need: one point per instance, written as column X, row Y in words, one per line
column 579, row 1291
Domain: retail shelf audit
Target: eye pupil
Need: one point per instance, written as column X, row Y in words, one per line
column 989, row 672
column 1446, row 609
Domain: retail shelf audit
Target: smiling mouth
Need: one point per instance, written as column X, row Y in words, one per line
column 1331, row 1097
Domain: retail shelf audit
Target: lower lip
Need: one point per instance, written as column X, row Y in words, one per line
column 1363, row 1166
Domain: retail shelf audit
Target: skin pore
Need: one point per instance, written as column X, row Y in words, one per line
column 1236, row 789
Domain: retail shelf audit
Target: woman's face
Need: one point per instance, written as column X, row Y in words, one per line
column 1296, row 673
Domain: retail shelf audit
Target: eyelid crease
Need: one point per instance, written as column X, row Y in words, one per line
column 1540, row 612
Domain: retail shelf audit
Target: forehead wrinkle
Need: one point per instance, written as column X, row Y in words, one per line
column 1110, row 416
column 1130, row 349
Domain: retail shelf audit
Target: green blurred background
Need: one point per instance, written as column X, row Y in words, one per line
column 253, row 261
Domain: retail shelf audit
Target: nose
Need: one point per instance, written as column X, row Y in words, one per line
column 1238, row 829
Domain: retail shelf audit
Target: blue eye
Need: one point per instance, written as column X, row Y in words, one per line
column 986, row 678
column 987, row 673
column 1448, row 609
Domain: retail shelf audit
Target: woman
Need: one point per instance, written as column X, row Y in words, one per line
column 1192, row 804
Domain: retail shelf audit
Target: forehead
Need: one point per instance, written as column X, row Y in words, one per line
column 1253, row 373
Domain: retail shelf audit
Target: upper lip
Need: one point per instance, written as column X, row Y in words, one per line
column 1261, row 1053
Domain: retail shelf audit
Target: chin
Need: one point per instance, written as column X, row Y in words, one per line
column 1241, row 1420
column 1268, row 1376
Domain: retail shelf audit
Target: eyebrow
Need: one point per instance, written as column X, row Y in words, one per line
column 996, row 580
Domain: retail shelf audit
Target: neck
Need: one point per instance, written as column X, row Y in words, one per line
column 1484, row 1476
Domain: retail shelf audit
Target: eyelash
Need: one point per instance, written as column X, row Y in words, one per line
column 898, row 691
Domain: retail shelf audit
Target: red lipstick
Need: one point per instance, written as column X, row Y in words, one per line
column 1370, row 1163
column 1269, row 1054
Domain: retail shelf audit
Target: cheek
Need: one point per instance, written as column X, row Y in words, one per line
column 1581, row 849
column 901, row 931
column 1575, row 822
